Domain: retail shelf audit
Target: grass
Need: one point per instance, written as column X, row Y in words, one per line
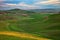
column 39, row 25
column 5, row 37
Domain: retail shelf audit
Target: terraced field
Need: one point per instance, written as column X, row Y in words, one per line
column 35, row 26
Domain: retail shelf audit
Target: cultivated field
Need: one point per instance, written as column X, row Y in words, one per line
column 23, row 25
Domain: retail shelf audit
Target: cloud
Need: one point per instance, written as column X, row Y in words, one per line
column 26, row 6
column 7, row 5
column 21, row 5
column 49, row 2
column 11, row 4
column 1, row 0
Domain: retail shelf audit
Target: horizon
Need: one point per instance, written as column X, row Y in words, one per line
column 29, row 4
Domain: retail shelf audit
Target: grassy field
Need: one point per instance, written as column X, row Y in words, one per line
column 5, row 37
column 38, row 24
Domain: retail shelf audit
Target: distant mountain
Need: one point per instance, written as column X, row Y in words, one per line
column 45, row 10
column 17, row 11
column 33, row 10
column 21, row 11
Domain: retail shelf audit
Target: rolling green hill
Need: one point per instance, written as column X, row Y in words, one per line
column 41, row 25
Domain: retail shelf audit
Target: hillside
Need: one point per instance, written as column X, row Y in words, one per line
column 41, row 25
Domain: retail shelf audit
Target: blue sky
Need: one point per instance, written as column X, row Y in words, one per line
column 29, row 4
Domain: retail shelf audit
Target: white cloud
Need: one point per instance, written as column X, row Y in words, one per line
column 22, row 4
column 7, row 5
column 49, row 2
column 35, row 5
column 11, row 4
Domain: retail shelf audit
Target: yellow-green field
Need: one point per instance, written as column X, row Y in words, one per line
column 29, row 26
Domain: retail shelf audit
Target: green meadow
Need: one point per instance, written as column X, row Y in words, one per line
column 38, row 24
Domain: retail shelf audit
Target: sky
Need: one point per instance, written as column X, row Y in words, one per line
column 29, row 4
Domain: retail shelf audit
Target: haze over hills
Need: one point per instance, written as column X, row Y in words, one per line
column 45, row 10
column 17, row 10
column 35, row 10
